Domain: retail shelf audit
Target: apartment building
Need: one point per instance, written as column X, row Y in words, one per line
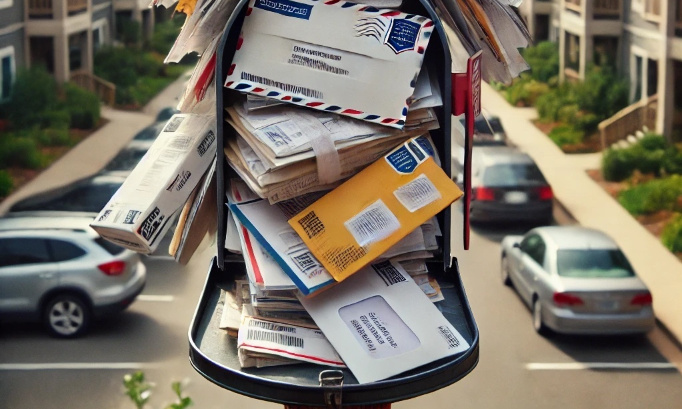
column 63, row 36
column 643, row 38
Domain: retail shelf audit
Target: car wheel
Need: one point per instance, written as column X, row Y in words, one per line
column 504, row 270
column 67, row 316
column 538, row 324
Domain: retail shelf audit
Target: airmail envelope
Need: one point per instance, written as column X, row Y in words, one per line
column 358, row 221
column 337, row 56
column 382, row 324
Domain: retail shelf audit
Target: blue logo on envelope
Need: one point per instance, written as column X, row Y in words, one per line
column 285, row 8
column 402, row 35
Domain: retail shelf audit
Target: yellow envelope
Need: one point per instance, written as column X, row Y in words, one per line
column 358, row 221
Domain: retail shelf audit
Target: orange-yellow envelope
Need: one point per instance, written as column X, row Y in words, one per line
column 361, row 219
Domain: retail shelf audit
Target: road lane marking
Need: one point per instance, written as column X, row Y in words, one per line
column 155, row 298
column 576, row 366
column 74, row 365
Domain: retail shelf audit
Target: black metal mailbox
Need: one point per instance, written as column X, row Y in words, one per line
column 214, row 354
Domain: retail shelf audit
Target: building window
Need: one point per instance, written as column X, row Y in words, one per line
column 542, row 27
column 605, row 51
column 7, row 71
column 99, row 34
column 651, row 77
column 638, row 78
column 572, row 53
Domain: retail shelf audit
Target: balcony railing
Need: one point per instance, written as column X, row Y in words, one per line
column 607, row 8
column 629, row 120
column 105, row 90
column 652, row 10
column 574, row 5
column 44, row 8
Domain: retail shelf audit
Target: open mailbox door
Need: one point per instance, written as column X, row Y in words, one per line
column 214, row 354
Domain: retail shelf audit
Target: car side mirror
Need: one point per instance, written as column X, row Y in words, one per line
column 517, row 245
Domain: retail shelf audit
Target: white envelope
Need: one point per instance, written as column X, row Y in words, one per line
column 382, row 324
column 342, row 57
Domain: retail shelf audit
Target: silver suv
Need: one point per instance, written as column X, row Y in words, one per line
column 59, row 271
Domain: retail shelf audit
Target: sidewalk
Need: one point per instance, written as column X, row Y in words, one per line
column 89, row 156
column 591, row 206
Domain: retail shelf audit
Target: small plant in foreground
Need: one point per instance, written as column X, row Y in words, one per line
column 139, row 391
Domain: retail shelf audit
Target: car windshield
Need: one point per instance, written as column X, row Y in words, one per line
column 125, row 160
column 593, row 263
column 513, row 174
column 147, row 134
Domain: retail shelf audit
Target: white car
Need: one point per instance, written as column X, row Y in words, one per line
column 576, row 280
column 59, row 271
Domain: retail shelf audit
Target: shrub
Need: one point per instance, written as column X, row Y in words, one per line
column 83, row 107
column 602, row 91
column 6, row 183
column 672, row 234
column 548, row 105
column 20, row 152
column 617, row 164
column 57, row 119
column 165, row 34
column 34, row 93
column 650, row 155
column 652, row 196
column 566, row 135
column 129, row 31
column 54, row 137
column 543, row 59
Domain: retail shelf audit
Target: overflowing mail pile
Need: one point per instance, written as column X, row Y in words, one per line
column 335, row 182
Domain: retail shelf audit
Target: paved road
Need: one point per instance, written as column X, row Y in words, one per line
column 518, row 368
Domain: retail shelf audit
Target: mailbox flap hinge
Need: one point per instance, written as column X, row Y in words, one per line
column 331, row 382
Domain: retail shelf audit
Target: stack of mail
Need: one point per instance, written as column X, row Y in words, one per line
column 335, row 182
column 276, row 150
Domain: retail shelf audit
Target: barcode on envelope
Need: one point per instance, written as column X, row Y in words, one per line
column 372, row 224
column 388, row 273
column 417, row 193
column 283, row 86
column 271, row 326
column 448, row 336
column 274, row 337
column 152, row 177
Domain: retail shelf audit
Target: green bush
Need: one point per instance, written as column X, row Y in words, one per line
column 602, row 92
column 566, row 135
column 650, row 155
column 83, row 107
column 6, row 183
column 56, row 119
column 543, row 59
column 34, row 93
column 652, row 196
column 548, row 105
column 672, row 234
column 20, row 152
column 165, row 34
column 129, row 31
column 54, row 137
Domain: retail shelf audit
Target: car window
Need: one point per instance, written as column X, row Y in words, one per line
column 127, row 159
column 496, row 125
column 63, row 250
column 18, row 251
column 110, row 247
column 593, row 263
column 90, row 198
column 513, row 175
column 534, row 246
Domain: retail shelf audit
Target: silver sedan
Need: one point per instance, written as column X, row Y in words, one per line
column 576, row 280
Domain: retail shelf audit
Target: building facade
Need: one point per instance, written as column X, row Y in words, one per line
column 61, row 35
column 642, row 38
